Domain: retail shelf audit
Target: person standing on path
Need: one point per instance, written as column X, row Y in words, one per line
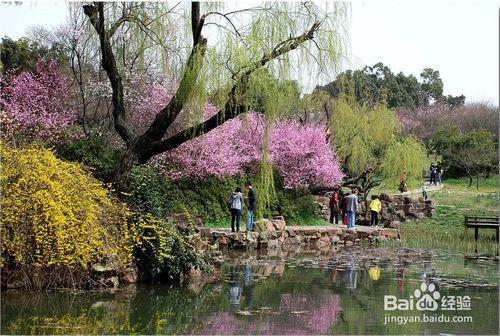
column 424, row 192
column 252, row 203
column 343, row 207
column 439, row 172
column 352, row 208
column 236, row 202
column 375, row 207
column 432, row 170
column 334, row 207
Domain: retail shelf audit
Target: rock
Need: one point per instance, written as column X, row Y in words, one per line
column 363, row 235
column 325, row 238
column 128, row 274
column 205, row 232
column 388, row 233
column 281, row 218
column 334, row 239
column 272, row 244
column 111, row 282
column 279, row 223
column 400, row 214
column 251, row 239
column 386, row 197
column 263, row 236
column 420, row 206
column 395, row 225
column 419, row 215
column 100, row 267
column 407, row 208
column 263, row 225
column 392, row 224
column 183, row 219
column 223, row 240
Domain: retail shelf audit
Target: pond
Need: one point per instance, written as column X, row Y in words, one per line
column 331, row 291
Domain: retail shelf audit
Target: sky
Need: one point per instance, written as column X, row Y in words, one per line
column 459, row 38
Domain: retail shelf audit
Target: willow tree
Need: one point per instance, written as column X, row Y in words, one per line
column 218, row 54
column 361, row 133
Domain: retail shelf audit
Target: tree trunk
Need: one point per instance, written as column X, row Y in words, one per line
column 127, row 162
column 470, row 180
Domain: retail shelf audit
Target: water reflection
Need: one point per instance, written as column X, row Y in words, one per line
column 351, row 275
column 303, row 291
column 234, row 288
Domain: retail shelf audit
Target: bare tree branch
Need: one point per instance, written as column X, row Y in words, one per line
column 95, row 13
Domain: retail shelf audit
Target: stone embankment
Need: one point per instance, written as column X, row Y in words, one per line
column 274, row 233
column 395, row 209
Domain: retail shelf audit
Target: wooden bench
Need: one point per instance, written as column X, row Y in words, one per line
column 480, row 223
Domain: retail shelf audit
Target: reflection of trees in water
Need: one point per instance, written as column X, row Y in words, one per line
column 295, row 315
column 148, row 310
column 311, row 298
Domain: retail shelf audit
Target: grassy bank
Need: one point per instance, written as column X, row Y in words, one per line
column 445, row 229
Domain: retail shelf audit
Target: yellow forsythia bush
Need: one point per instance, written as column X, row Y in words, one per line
column 54, row 213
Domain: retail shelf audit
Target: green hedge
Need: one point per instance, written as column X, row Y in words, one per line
column 93, row 152
column 150, row 192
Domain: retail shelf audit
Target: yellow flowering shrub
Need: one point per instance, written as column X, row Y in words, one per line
column 55, row 214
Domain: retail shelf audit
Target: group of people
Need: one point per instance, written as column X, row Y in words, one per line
column 236, row 202
column 346, row 206
column 436, row 171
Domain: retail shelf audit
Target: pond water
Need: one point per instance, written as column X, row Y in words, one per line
column 333, row 291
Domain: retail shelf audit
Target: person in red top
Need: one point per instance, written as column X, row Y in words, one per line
column 334, row 206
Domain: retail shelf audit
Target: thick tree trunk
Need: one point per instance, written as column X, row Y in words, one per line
column 140, row 148
column 127, row 162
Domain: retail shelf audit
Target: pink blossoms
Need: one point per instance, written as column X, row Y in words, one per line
column 33, row 105
column 301, row 153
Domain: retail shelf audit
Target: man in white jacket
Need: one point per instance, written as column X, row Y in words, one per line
column 352, row 208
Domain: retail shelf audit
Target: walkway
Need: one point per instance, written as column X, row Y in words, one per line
column 318, row 236
column 430, row 187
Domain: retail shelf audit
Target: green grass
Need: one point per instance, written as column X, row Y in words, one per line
column 445, row 229
column 309, row 221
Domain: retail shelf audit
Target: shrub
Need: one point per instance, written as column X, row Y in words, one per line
column 163, row 251
column 152, row 193
column 296, row 208
column 56, row 216
column 93, row 152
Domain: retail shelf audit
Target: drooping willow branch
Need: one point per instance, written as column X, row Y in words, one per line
column 233, row 106
column 152, row 141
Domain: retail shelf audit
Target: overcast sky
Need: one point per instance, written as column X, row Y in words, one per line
column 459, row 38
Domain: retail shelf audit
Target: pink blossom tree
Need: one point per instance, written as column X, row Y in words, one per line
column 301, row 153
column 34, row 105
